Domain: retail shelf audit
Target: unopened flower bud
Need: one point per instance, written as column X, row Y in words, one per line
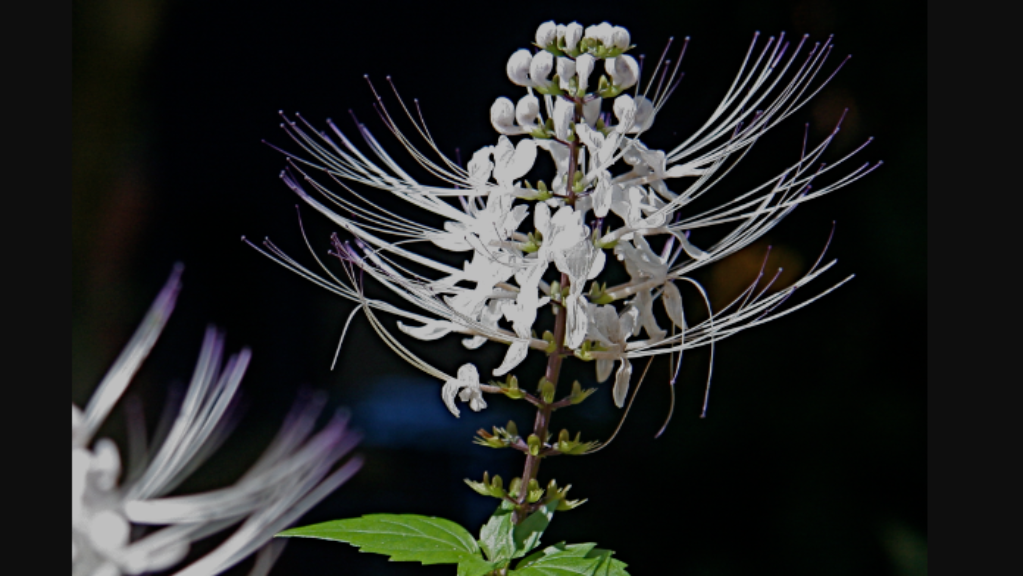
column 547, row 34
column 623, row 70
column 620, row 37
column 566, row 72
column 625, row 111
column 584, row 67
column 519, row 68
column 573, row 35
column 503, row 117
column 527, row 111
column 540, row 68
column 563, row 119
column 644, row 114
column 560, row 32
column 592, row 111
column 602, row 33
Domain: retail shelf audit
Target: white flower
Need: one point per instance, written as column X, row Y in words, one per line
column 620, row 37
column 603, row 33
column 526, row 230
column 297, row 470
column 566, row 72
column 527, row 111
column 612, row 330
column 623, row 70
column 519, row 68
column 584, row 68
column 573, row 35
column 547, row 34
column 467, row 387
column 503, row 116
column 540, row 68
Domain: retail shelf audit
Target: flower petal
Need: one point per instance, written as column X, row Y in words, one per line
column 622, row 378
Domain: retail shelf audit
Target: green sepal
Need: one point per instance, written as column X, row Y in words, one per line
column 492, row 488
column 579, row 395
column 402, row 537
column 547, row 390
column 568, row 446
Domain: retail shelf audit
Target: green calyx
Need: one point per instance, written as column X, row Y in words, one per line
column 599, row 294
column 584, row 353
column 500, row 438
column 547, row 391
column 510, row 388
column 579, row 394
column 573, row 447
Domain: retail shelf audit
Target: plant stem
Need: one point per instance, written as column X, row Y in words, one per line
column 542, row 423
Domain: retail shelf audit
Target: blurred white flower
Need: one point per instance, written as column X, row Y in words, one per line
column 610, row 193
column 131, row 522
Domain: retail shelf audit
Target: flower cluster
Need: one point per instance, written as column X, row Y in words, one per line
column 136, row 526
column 532, row 242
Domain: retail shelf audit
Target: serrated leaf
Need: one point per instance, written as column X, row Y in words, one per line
column 476, row 566
column 528, row 533
column 560, row 564
column 402, row 537
column 560, row 560
column 609, row 566
column 496, row 538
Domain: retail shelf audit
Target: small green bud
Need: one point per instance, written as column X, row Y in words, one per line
column 534, row 492
column 579, row 394
column 514, row 486
column 547, row 390
column 512, row 428
column 550, row 339
column 535, row 445
column 490, row 440
column 494, row 489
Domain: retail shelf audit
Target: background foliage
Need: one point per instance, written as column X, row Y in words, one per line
column 813, row 458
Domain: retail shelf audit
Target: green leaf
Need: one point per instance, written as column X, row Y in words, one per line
column 573, row 550
column 496, row 536
column 571, row 560
column 403, row 537
column 609, row 566
column 528, row 533
column 476, row 566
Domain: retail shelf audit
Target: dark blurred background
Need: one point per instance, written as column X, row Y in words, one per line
column 813, row 458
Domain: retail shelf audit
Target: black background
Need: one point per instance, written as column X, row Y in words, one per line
column 813, row 458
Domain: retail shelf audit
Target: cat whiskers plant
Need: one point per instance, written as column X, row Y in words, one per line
column 553, row 241
column 137, row 524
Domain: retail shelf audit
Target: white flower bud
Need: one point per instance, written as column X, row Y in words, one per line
column 602, row 33
column 625, row 111
column 584, row 67
column 620, row 37
column 566, row 72
column 623, row 70
column 546, row 34
column 564, row 111
column 519, row 68
column 503, row 117
column 644, row 114
column 527, row 111
column 573, row 35
column 560, row 31
column 540, row 68
column 592, row 111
